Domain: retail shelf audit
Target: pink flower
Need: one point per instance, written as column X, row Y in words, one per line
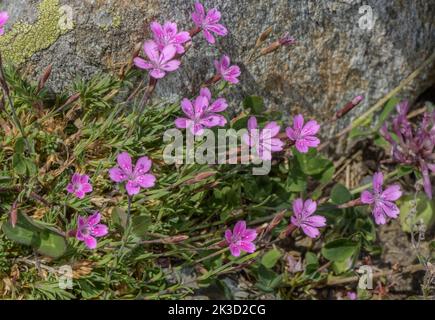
column 168, row 35
column 227, row 72
column 136, row 178
column 79, row 185
column 208, row 22
column 303, row 217
column 202, row 113
column 160, row 62
column 352, row 295
column 90, row 228
column 4, row 17
column 263, row 141
column 381, row 201
column 240, row 239
column 303, row 135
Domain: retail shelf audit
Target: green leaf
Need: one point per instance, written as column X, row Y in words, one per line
column 19, row 164
column 20, row 146
column 255, row 103
column 267, row 279
column 140, row 225
column 271, row 258
column 52, row 244
column 119, row 217
column 45, row 240
column 388, row 108
column 340, row 249
column 311, row 263
column 340, row 194
column 424, row 215
column 310, row 163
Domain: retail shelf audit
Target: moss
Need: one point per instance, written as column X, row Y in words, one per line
column 24, row 40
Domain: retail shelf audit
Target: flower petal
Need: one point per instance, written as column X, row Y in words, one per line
column 100, row 230
column 187, row 107
column 151, row 49
column 316, row 221
column 117, row 174
column 298, row 206
column 311, row 232
column 378, row 180
column 205, row 92
column 124, row 162
column 171, row 65
column 252, row 123
column 310, row 207
column 143, row 165
column 247, row 246
column 219, row 105
column 235, row 250
column 367, row 197
column 157, row 73
column 239, row 228
column 272, row 127
column 298, row 123
column 310, row 128
column 132, row 188
column 91, row 242
column 392, row 193
column 228, row 236
column 94, row 219
column 146, row 180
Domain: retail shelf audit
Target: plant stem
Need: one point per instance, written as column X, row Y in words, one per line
column 6, row 92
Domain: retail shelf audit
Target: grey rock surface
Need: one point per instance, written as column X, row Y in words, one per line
column 336, row 56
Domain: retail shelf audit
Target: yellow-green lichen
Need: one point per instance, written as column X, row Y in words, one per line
column 24, row 40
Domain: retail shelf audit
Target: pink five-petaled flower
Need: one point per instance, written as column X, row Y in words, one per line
column 79, row 185
column 227, row 72
column 303, row 135
column 201, row 113
column 88, row 229
column 160, row 62
column 168, row 35
column 303, row 217
column 136, row 178
column 4, row 17
column 382, row 200
column 208, row 22
column 240, row 239
column 263, row 141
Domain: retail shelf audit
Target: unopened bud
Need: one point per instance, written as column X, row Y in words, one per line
column 44, row 78
column 349, row 106
column 199, row 177
column 175, row 239
column 14, row 214
column 285, row 40
column 351, row 203
column 263, row 36
column 287, row 231
column 275, row 221
column 72, row 99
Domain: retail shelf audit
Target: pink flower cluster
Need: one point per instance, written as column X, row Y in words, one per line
column 162, row 50
column 266, row 140
column 88, row 229
column 208, row 22
column 202, row 112
column 166, row 47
